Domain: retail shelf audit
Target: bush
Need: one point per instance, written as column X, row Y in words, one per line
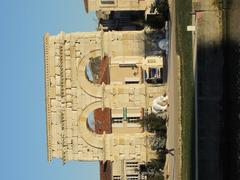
column 154, row 169
column 152, row 123
column 159, row 143
column 157, row 125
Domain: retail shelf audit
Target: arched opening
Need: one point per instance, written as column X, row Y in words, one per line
column 86, row 129
column 97, row 70
column 88, row 71
column 99, row 121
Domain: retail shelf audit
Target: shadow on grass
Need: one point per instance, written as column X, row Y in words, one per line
column 184, row 49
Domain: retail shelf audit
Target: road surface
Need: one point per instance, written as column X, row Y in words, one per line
column 173, row 162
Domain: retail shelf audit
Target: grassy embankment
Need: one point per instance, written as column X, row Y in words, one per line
column 184, row 49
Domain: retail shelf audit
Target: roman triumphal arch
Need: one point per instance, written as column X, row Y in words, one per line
column 70, row 97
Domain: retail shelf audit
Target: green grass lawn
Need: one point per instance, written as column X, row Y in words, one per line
column 184, row 49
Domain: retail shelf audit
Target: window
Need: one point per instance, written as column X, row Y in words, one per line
column 154, row 75
column 133, row 119
column 116, row 177
column 108, row 2
column 132, row 164
column 117, row 120
column 132, row 177
column 132, row 80
column 132, row 170
column 128, row 65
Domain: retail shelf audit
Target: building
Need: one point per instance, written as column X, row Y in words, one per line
column 128, row 74
column 70, row 97
column 125, row 15
column 117, row 5
column 121, row 20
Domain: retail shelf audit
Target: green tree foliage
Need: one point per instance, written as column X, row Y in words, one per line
column 154, row 169
column 152, row 123
column 157, row 125
column 162, row 8
column 160, row 14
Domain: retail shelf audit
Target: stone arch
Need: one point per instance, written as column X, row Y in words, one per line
column 91, row 138
column 94, row 90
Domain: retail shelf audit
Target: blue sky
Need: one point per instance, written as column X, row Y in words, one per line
column 23, row 139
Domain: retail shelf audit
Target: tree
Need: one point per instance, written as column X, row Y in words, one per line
column 154, row 170
column 162, row 8
column 159, row 143
column 157, row 125
column 152, row 123
column 157, row 20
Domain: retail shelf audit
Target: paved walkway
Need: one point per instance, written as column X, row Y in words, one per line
column 173, row 162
